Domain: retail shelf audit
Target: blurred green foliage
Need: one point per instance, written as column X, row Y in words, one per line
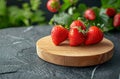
column 27, row 15
column 71, row 11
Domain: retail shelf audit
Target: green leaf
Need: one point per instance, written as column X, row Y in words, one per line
column 4, row 22
column 26, row 6
column 75, row 15
column 118, row 10
column 71, row 10
column 67, row 4
column 81, row 8
column 110, row 3
column 64, row 7
column 3, row 7
column 103, row 16
column 70, row 1
column 118, row 4
column 38, row 17
column 104, row 2
column 35, row 4
column 66, row 1
column 26, row 21
column 19, row 16
column 27, row 14
column 62, row 18
column 79, row 11
column 15, row 15
column 109, row 26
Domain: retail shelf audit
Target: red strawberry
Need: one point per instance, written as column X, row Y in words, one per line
column 53, row 5
column 59, row 34
column 90, row 14
column 116, row 21
column 76, row 37
column 110, row 12
column 94, row 35
column 78, row 23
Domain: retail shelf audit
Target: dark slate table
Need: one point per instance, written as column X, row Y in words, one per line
column 18, row 58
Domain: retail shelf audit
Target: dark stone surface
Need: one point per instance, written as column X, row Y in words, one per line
column 18, row 58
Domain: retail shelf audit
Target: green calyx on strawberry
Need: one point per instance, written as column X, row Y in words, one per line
column 90, row 14
column 76, row 36
column 53, row 5
column 94, row 35
column 110, row 12
column 78, row 23
column 72, row 1
column 116, row 21
column 59, row 34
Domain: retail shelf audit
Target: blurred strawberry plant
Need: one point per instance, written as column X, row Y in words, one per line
column 70, row 10
column 27, row 15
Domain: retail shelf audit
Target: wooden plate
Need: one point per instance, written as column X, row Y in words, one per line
column 74, row 56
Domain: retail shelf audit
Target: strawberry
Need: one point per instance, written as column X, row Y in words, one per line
column 110, row 12
column 93, row 36
column 53, row 5
column 76, row 37
column 90, row 14
column 78, row 23
column 116, row 21
column 59, row 34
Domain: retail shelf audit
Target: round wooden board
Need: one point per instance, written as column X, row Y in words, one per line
column 79, row 56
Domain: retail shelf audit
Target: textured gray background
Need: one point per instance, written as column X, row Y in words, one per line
column 18, row 58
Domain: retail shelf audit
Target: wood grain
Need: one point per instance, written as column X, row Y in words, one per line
column 74, row 56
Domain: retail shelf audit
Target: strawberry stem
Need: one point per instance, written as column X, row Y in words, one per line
column 80, row 30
